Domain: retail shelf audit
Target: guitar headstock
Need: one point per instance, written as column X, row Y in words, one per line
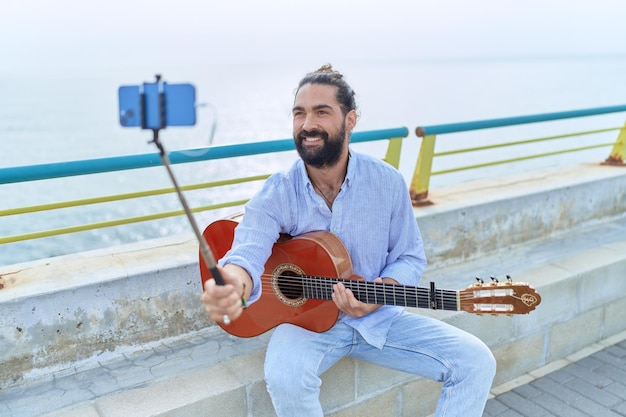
column 499, row 297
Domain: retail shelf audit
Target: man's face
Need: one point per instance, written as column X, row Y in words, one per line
column 319, row 127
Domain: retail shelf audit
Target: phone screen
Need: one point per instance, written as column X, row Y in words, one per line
column 140, row 105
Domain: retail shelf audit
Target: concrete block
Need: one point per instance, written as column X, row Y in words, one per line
column 215, row 390
column 339, row 385
column 604, row 284
column 614, row 321
column 384, row 404
column 373, row 378
column 419, row 398
column 519, row 356
column 559, row 299
column 249, row 370
column 231, row 404
column 574, row 334
column 259, row 401
column 76, row 411
column 600, row 270
column 492, row 330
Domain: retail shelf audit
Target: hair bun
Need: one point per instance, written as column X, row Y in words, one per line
column 328, row 69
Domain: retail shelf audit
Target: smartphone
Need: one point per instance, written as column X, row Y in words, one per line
column 141, row 105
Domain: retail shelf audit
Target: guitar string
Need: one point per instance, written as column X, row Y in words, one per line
column 390, row 294
column 391, row 290
column 294, row 282
column 446, row 297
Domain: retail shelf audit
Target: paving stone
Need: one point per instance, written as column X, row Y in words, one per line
column 592, row 408
column 611, row 360
column 621, row 409
column 561, row 376
column 523, row 405
column 557, row 407
column 618, row 388
column 511, row 413
column 528, row 391
column 594, row 392
column 494, row 408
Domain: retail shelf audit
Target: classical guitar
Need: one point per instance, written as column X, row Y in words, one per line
column 298, row 283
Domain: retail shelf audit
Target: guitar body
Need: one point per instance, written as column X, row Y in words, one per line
column 299, row 275
column 316, row 253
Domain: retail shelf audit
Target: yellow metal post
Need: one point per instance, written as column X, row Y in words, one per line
column 393, row 152
column 421, row 176
column 619, row 150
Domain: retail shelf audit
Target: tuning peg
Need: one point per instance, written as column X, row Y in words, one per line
column 480, row 280
column 494, row 279
column 509, row 279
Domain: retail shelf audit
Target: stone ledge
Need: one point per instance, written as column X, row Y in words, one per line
column 353, row 386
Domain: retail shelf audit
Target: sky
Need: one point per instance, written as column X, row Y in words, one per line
column 44, row 35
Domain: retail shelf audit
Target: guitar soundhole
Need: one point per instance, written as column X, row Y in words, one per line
column 287, row 284
column 290, row 285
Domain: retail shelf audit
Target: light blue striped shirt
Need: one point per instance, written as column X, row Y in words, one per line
column 372, row 215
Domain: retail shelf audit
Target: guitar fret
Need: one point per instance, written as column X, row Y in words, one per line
column 448, row 300
column 365, row 289
column 328, row 288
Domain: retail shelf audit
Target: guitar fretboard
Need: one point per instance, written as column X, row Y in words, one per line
column 321, row 288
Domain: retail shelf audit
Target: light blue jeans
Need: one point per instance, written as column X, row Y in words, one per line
column 416, row 344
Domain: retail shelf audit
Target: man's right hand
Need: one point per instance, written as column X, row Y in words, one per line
column 222, row 301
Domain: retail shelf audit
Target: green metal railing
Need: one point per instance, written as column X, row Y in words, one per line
column 423, row 169
column 419, row 185
column 92, row 166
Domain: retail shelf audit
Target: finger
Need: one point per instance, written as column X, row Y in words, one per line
column 339, row 293
column 343, row 298
column 217, row 311
column 346, row 294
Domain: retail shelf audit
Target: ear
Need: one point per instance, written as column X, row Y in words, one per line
column 350, row 120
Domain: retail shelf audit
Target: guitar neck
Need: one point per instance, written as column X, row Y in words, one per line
column 321, row 288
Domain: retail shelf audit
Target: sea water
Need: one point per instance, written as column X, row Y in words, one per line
column 69, row 116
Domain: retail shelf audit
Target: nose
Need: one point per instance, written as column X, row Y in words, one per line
column 308, row 123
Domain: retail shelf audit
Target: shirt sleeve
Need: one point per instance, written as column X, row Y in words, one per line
column 256, row 234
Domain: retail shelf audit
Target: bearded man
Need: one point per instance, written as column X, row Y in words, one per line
column 365, row 202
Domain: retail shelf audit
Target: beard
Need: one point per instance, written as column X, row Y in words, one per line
column 325, row 156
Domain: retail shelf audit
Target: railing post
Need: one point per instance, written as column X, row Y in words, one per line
column 394, row 149
column 421, row 176
column 616, row 157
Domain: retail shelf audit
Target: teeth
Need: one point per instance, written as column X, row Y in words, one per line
column 315, row 139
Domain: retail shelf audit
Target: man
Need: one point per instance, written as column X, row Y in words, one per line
column 365, row 202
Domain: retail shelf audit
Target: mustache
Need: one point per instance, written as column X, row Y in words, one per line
column 315, row 132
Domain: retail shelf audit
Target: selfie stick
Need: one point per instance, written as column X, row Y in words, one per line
column 205, row 252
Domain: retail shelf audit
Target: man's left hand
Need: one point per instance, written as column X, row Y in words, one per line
column 347, row 303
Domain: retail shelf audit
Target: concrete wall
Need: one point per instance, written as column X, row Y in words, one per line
column 563, row 231
column 65, row 309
